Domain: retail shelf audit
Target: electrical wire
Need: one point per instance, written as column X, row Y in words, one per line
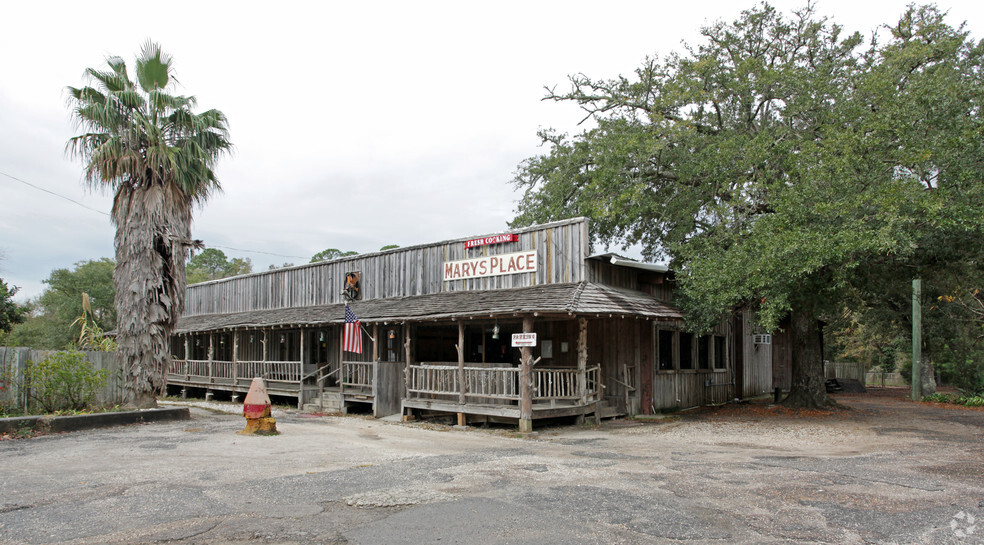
column 71, row 200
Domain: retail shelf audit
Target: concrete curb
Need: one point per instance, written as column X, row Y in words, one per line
column 52, row 424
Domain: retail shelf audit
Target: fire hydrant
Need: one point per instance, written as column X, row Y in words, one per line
column 256, row 409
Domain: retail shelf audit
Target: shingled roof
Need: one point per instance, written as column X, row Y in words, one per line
column 580, row 298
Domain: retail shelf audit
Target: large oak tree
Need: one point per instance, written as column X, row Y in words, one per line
column 778, row 163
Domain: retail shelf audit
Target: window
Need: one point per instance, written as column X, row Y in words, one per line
column 720, row 362
column 686, row 350
column 664, row 350
column 704, row 353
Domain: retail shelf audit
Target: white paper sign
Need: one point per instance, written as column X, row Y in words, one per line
column 523, row 339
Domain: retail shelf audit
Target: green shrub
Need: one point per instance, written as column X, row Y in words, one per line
column 938, row 398
column 972, row 401
column 64, row 381
column 956, row 399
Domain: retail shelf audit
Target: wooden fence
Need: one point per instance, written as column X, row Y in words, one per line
column 843, row 369
column 13, row 366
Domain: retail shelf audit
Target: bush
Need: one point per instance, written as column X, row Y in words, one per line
column 64, row 381
column 956, row 399
column 972, row 401
column 939, row 398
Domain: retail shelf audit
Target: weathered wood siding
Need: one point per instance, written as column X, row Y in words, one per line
column 616, row 345
column 659, row 285
column 418, row 270
column 684, row 388
column 782, row 357
column 757, row 368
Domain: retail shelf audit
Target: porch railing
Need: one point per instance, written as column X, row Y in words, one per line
column 205, row 370
column 502, row 383
column 357, row 374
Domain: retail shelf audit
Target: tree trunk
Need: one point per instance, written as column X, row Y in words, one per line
column 928, row 376
column 152, row 236
column 808, row 388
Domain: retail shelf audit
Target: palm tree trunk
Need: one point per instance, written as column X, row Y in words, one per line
column 152, row 232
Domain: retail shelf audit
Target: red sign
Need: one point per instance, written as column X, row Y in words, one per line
column 494, row 239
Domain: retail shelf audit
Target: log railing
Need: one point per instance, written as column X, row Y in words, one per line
column 501, row 383
column 206, row 371
column 357, row 374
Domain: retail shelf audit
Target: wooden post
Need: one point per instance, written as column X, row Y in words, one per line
column 406, row 365
column 917, row 340
column 264, row 341
column 211, row 346
column 375, row 342
column 235, row 366
column 526, row 382
column 341, row 364
column 462, row 419
column 375, row 369
column 582, row 363
column 300, row 375
column 187, row 355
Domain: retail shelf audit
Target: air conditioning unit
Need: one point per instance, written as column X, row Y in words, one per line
column 762, row 339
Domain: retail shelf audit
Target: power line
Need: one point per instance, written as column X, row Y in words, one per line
column 71, row 200
column 253, row 251
column 55, row 194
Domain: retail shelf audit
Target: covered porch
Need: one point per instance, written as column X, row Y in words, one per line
column 443, row 353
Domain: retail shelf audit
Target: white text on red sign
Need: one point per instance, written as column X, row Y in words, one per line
column 494, row 239
column 492, row 265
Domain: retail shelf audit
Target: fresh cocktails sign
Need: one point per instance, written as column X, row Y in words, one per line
column 492, row 265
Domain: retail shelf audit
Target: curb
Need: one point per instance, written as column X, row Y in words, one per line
column 53, row 424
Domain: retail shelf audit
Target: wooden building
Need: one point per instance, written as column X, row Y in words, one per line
column 438, row 327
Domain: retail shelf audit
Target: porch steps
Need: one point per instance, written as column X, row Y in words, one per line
column 607, row 409
column 329, row 402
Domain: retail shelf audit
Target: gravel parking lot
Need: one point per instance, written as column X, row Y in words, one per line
column 886, row 471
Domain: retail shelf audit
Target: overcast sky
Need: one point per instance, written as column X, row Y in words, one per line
column 356, row 124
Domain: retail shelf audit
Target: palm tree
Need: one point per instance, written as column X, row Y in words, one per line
column 156, row 155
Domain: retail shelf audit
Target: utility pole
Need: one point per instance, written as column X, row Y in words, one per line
column 916, row 340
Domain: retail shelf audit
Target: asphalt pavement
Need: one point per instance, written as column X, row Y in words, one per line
column 888, row 471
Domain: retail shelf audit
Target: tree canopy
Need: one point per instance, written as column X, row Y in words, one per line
column 781, row 163
column 11, row 313
column 50, row 323
column 212, row 264
column 331, row 253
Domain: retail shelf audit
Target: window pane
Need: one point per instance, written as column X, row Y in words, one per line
column 719, row 352
column 665, row 349
column 704, row 352
column 686, row 350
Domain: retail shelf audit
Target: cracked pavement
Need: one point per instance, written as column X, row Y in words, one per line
column 888, row 471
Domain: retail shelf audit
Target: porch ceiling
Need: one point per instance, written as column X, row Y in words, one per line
column 580, row 298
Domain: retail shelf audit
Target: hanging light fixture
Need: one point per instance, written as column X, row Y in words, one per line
column 495, row 330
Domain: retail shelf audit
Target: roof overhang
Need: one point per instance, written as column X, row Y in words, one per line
column 620, row 261
column 550, row 300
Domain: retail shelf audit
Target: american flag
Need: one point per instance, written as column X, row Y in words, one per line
column 352, row 336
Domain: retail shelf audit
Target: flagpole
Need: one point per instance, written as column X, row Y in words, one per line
column 371, row 338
